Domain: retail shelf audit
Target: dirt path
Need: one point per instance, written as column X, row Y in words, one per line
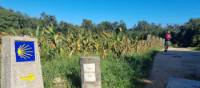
column 178, row 62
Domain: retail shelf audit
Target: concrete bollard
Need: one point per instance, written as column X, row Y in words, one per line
column 90, row 72
column 21, row 66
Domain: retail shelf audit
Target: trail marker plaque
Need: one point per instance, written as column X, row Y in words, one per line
column 21, row 66
column 90, row 72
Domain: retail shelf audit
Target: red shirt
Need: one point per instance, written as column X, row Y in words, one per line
column 167, row 36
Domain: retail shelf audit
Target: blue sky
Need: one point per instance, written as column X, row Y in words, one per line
column 130, row 11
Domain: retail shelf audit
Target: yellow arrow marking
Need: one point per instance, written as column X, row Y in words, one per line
column 29, row 77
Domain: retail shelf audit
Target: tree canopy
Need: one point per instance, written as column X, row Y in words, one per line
column 187, row 34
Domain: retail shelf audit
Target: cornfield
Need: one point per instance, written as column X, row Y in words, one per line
column 79, row 42
column 85, row 42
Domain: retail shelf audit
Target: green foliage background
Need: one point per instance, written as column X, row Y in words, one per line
column 126, row 53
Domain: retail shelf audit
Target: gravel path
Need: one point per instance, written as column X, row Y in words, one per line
column 178, row 62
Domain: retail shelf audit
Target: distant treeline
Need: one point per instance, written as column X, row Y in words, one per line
column 184, row 35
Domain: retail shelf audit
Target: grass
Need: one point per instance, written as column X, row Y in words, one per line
column 67, row 69
column 194, row 48
column 197, row 48
column 120, row 72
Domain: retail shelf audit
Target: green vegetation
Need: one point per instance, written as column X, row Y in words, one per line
column 121, row 64
column 116, row 72
column 126, row 54
column 186, row 35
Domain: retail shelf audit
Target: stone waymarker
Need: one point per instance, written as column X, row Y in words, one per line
column 21, row 66
column 90, row 72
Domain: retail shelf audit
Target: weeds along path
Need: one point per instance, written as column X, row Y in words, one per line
column 178, row 62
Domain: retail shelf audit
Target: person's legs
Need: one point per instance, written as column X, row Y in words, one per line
column 166, row 46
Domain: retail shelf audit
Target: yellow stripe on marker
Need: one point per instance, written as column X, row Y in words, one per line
column 29, row 77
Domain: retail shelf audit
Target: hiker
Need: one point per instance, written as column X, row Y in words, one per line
column 167, row 40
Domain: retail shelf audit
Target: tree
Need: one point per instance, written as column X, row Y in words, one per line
column 121, row 26
column 47, row 20
column 142, row 25
column 188, row 33
column 105, row 26
column 64, row 27
column 143, row 28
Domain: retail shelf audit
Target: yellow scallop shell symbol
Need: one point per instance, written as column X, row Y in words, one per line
column 24, row 51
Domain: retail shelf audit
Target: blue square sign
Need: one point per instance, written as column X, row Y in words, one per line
column 24, row 51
